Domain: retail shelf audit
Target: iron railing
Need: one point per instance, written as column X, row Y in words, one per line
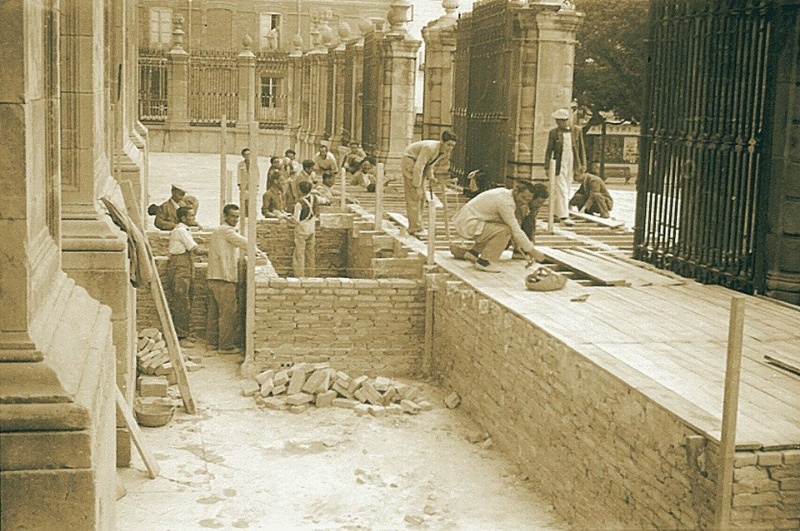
column 271, row 90
column 213, row 88
column 702, row 142
column 152, row 86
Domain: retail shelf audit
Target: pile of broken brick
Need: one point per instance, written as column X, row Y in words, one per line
column 298, row 387
column 154, row 405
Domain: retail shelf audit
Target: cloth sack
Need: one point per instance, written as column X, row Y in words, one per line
column 543, row 279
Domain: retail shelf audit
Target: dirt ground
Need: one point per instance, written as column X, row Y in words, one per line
column 236, row 466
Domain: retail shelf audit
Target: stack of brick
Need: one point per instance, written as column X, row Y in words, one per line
column 152, row 357
column 298, row 387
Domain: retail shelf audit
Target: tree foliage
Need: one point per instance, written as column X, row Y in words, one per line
column 611, row 57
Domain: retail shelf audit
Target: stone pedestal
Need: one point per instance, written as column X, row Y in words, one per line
column 246, row 67
column 178, row 87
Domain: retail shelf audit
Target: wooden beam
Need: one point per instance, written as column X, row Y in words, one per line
column 250, row 297
column 730, row 410
column 150, row 462
column 224, row 195
column 379, row 197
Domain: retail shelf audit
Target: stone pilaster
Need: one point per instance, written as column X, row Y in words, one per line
column 337, row 84
column 548, row 49
column 56, row 352
column 396, row 105
column 178, row 83
column 293, row 90
column 354, row 84
column 246, row 68
column 440, row 49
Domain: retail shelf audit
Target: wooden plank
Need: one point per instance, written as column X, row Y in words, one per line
column 787, row 364
column 588, row 266
column 611, row 223
column 170, row 336
column 637, row 276
column 150, row 462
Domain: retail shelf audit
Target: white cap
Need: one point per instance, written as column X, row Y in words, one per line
column 179, row 186
column 561, row 114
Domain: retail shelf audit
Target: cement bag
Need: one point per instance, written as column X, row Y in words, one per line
column 543, row 279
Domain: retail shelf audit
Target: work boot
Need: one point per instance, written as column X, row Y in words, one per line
column 486, row 266
column 472, row 255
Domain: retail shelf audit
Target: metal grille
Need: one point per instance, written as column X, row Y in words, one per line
column 213, row 88
column 152, row 87
column 702, row 139
column 271, row 97
column 481, row 102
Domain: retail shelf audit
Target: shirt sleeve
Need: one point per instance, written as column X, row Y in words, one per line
column 233, row 237
column 508, row 213
column 188, row 240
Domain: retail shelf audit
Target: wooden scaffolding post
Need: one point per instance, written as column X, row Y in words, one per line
column 250, row 318
column 550, row 205
column 136, row 434
column 730, row 410
column 224, row 195
column 343, row 199
column 431, row 227
column 379, row 198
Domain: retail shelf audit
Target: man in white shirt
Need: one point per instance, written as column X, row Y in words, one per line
column 489, row 219
column 180, row 275
column 417, row 167
column 324, row 159
column 305, row 221
column 222, row 277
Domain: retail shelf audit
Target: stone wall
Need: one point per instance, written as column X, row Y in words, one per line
column 373, row 327
column 604, row 454
column 277, row 240
column 146, row 314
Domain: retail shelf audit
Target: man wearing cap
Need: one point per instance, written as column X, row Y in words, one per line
column 417, row 167
column 167, row 212
column 565, row 147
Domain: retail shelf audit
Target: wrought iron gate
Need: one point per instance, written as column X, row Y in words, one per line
column 213, row 88
column 702, row 147
column 152, row 87
column 483, row 80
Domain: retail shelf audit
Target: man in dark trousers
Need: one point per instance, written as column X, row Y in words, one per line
column 593, row 197
column 180, row 275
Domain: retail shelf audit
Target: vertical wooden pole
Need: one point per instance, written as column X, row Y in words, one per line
column 431, row 229
column 223, row 166
column 379, row 197
column 343, row 198
column 550, row 205
column 250, row 318
column 730, row 410
column 446, row 213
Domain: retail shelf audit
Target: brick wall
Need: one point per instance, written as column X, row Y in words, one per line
column 146, row 314
column 604, row 454
column 277, row 240
column 373, row 327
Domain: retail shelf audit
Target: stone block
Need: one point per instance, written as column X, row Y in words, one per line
column 325, row 399
column 275, row 403
column 452, row 400
column 371, row 394
column 360, row 395
column 153, row 386
column 341, row 390
column 390, row 396
column 297, row 381
column 377, row 411
column 300, row 408
column 394, row 409
column 409, row 407
column 344, row 403
column 281, row 378
column 264, row 376
column 315, row 381
column 362, row 409
column 278, row 389
column 357, row 383
column 250, row 388
column 770, row 458
column 266, row 387
column 299, row 398
column 791, row 457
column 382, row 384
column 424, row 405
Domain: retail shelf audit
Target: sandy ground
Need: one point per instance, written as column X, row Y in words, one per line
column 236, row 466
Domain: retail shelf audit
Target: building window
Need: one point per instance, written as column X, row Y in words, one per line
column 269, row 31
column 269, row 92
column 160, row 27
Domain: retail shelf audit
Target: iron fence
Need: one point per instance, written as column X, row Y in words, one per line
column 152, row 86
column 702, row 145
column 271, row 90
column 213, row 88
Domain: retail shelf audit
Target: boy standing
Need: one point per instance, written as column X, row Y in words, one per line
column 180, row 275
column 305, row 219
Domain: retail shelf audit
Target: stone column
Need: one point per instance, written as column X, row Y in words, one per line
column 246, row 67
column 177, row 123
column 94, row 249
column 294, row 77
column 318, row 99
column 440, row 49
column 338, row 74
column 550, row 30
column 355, row 73
column 396, row 104
column 56, row 355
